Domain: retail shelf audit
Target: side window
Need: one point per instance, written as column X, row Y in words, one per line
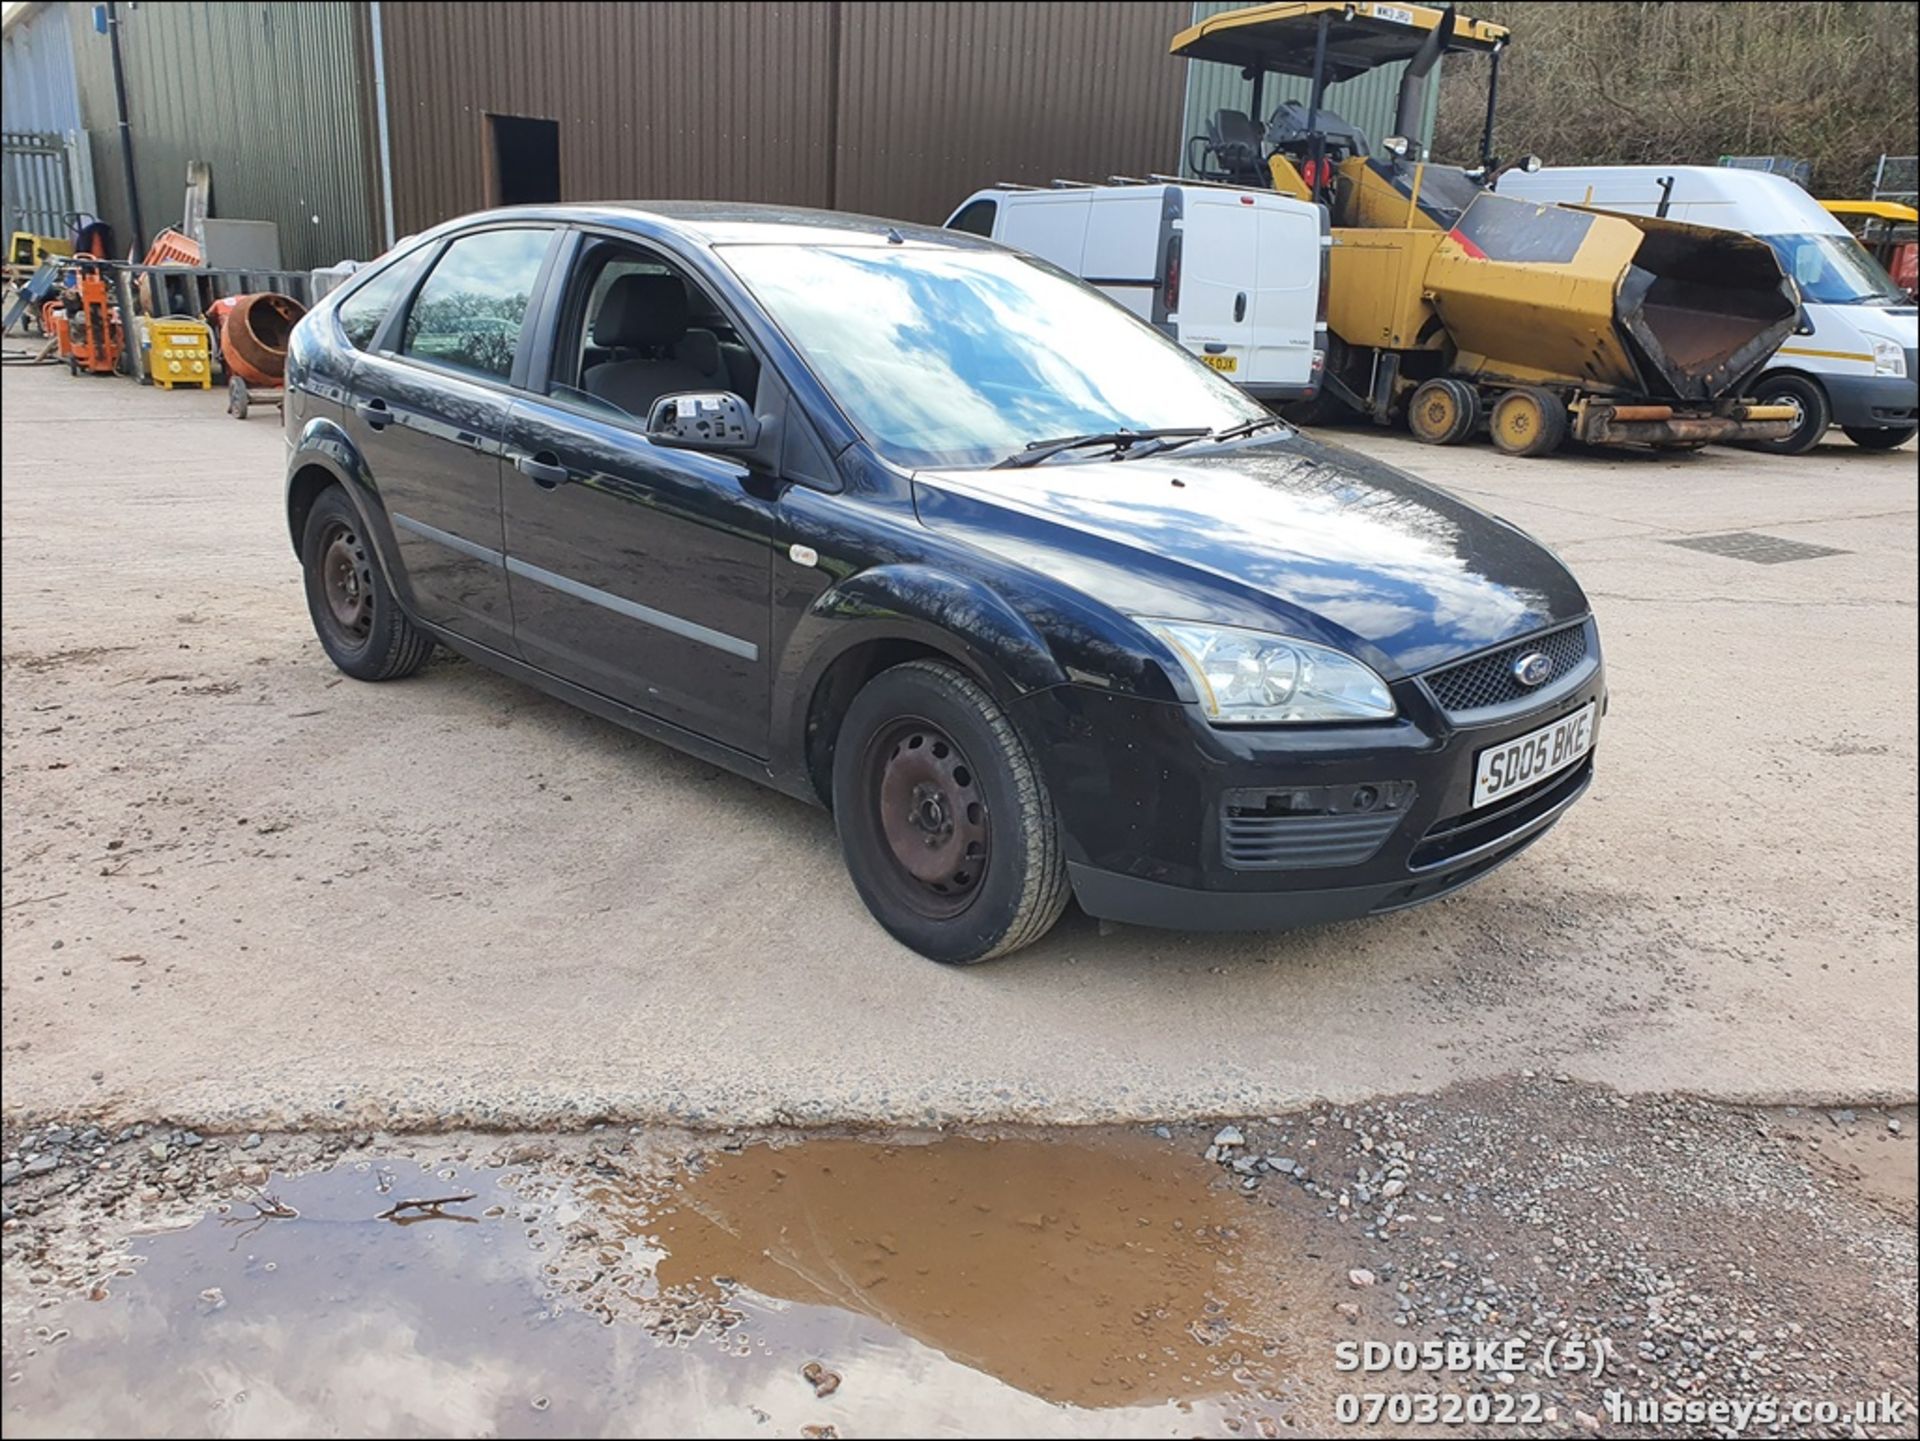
column 469, row 312
column 976, row 218
column 362, row 311
column 638, row 328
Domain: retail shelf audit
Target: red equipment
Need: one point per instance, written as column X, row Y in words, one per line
column 84, row 321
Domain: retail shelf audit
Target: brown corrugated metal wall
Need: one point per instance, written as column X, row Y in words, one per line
column 897, row 109
column 700, row 101
column 937, row 100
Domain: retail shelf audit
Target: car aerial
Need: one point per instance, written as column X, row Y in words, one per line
column 904, row 523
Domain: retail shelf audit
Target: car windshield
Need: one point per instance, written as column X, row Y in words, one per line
column 963, row 358
column 1835, row 270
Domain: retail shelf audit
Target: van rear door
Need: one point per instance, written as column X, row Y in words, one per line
column 1220, row 246
column 1287, row 303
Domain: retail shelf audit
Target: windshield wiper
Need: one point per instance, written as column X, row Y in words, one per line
column 1231, row 432
column 1120, row 440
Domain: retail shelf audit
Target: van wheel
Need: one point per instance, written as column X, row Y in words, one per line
column 1806, row 397
column 360, row 625
column 1877, row 439
column 1444, row 412
column 944, row 817
column 1529, row 421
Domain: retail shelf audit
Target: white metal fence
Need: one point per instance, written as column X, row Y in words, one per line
column 44, row 178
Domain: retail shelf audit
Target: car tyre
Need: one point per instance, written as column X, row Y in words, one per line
column 1815, row 414
column 1528, row 421
column 1879, row 438
column 360, row 624
column 944, row 817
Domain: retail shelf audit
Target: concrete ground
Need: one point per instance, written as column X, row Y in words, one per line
column 240, row 890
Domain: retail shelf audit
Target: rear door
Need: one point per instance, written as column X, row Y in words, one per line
column 1220, row 246
column 1286, row 304
column 428, row 411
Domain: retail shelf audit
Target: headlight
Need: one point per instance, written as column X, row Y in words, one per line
column 1246, row 677
column 1888, row 358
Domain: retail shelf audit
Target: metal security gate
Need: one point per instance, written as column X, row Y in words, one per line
column 46, row 177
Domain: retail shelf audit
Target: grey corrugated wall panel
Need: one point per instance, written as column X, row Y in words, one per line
column 269, row 94
column 1367, row 101
column 696, row 101
column 37, row 88
column 939, row 100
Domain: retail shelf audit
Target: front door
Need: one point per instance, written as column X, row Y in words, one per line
column 429, row 415
column 639, row 571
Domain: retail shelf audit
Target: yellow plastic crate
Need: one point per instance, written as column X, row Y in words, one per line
column 180, row 352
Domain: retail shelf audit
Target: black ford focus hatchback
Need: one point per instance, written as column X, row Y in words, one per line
column 907, row 524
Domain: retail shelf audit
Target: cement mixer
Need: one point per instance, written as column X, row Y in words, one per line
column 1457, row 308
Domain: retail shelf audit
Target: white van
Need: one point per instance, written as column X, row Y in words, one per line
column 1233, row 275
column 1855, row 369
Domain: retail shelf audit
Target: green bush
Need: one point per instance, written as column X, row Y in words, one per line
column 1669, row 84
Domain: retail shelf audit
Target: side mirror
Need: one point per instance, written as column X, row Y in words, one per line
column 703, row 420
column 1530, row 164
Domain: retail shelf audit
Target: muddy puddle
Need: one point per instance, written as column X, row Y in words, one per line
column 1017, row 1286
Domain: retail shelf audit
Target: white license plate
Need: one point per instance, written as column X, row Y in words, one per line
column 1516, row 764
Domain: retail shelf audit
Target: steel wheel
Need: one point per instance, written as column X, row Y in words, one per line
column 1444, row 412
column 932, row 815
column 1529, row 421
column 346, row 580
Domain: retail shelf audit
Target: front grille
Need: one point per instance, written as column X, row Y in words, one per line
column 1488, row 680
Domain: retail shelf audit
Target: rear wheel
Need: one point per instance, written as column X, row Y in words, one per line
column 1444, row 412
column 360, row 624
column 944, row 817
column 1879, row 439
column 1529, row 421
column 1809, row 400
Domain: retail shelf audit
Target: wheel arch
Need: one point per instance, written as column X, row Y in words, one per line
column 884, row 617
column 325, row 456
column 1776, row 372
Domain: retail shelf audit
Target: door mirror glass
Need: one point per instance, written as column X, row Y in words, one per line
column 703, row 420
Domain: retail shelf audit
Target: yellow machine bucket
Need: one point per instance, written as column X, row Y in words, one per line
column 1615, row 304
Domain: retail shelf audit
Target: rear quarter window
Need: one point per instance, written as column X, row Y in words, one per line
column 370, row 303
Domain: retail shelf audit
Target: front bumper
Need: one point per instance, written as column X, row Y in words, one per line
column 1148, row 795
column 1872, row 402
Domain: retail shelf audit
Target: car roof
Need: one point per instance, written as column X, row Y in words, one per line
column 726, row 222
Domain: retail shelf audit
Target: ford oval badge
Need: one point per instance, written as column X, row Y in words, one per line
column 1532, row 669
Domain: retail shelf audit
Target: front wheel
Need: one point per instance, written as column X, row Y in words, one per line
column 1877, row 438
column 945, row 820
column 1813, row 416
column 360, row 624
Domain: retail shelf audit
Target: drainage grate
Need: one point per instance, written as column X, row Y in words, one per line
column 1760, row 549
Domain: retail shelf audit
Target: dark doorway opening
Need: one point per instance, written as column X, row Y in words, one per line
column 526, row 160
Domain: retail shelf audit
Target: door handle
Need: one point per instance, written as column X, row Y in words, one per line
column 544, row 469
column 375, row 413
column 1240, row 306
